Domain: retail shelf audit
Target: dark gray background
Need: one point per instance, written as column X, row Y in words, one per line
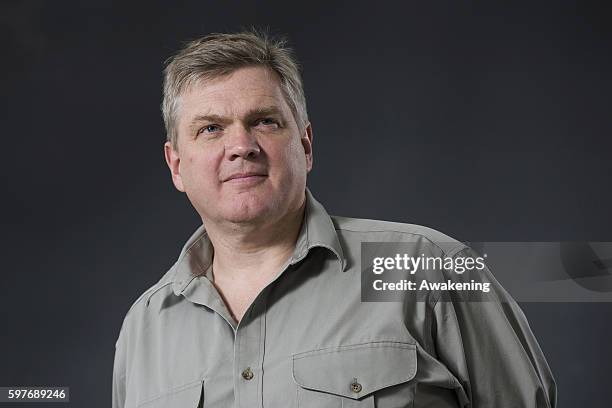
column 489, row 122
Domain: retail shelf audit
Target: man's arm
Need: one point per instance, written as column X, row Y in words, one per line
column 119, row 384
column 491, row 350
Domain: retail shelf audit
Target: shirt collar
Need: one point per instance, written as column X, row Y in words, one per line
column 317, row 230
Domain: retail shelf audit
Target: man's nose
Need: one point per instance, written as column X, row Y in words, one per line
column 241, row 143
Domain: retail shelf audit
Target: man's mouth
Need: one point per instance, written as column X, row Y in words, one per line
column 245, row 176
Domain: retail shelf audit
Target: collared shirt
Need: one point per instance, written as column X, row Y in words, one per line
column 309, row 341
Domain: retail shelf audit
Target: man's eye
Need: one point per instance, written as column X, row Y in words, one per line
column 267, row 122
column 209, row 129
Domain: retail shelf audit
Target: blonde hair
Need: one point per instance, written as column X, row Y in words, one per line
column 216, row 55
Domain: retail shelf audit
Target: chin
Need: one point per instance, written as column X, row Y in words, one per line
column 244, row 218
column 245, row 212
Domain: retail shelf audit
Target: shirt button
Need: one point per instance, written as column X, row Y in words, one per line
column 356, row 387
column 247, row 374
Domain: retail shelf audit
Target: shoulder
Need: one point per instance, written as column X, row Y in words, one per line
column 155, row 293
column 388, row 231
column 165, row 282
column 147, row 306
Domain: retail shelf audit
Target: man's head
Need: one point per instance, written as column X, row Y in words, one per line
column 217, row 55
column 239, row 141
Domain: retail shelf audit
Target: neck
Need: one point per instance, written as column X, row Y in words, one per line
column 254, row 253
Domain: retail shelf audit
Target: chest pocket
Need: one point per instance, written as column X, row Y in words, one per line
column 367, row 375
column 188, row 396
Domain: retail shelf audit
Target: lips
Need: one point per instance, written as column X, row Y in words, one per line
column 246, row 175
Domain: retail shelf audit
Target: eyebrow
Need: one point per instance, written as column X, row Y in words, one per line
column 251, row 114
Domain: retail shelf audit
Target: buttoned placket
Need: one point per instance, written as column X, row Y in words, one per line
column 249, row 337
column 249, row 341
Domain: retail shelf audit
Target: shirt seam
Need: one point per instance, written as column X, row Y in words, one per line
column 459, row 244
column 154, row 288
column 335, row 349
column 155, row 291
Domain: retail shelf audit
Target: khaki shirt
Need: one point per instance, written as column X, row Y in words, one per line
column 308, row 340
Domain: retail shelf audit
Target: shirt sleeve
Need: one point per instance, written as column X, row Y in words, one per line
column 491, row 350
column 119, row 385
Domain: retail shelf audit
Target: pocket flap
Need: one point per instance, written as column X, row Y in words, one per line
column 188, row 396
column 357, row 370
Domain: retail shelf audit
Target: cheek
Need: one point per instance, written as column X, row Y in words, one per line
column 186, row 165
column 199, row 170
column 297, row 157
column 290, row 158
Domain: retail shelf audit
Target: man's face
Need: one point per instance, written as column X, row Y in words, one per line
column 240, row 157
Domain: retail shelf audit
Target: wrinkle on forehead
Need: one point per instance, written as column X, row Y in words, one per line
column 206, row 81
column 216, row 88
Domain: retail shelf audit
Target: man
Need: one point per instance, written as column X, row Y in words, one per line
column 263, row 306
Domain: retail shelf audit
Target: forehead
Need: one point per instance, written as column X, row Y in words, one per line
column 230, row 95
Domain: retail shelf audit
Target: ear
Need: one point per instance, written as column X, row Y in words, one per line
column 174, row 164
column 306, row 140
